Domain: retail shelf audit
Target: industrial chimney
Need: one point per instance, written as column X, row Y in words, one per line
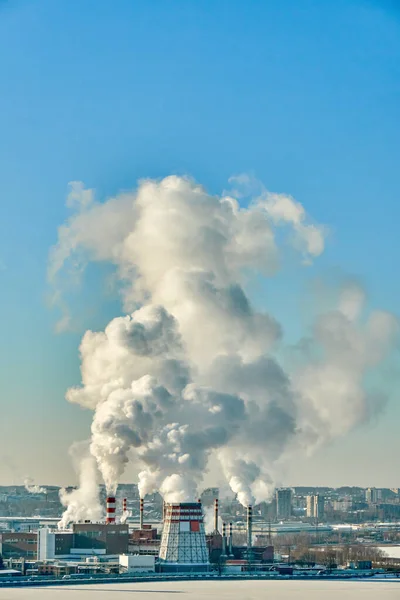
column 183, row 543
column 223, row 540
column 249, row 529
column 141, row 513
column 216, row 507
column 110, row 510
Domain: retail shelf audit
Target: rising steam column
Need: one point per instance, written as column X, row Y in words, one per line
column 183, row 543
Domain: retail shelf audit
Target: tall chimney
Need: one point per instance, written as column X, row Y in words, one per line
column 141, row 513
column 249, row 528
column 230, row 539
column 110, row 510
column 216, row 515
column 223, row 539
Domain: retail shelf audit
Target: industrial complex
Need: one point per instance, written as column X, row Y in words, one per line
column 202, row 538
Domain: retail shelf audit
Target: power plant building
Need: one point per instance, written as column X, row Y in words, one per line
column 183, row 544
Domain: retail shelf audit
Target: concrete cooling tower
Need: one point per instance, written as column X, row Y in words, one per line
column 183, row 543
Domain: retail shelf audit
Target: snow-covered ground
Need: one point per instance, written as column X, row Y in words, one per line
column 220, row 590
column 392, row 551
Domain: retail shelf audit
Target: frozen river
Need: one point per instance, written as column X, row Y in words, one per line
column 220, row 590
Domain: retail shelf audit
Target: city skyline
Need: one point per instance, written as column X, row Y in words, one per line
column 229, row 97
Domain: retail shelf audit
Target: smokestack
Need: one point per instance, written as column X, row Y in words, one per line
column 223, row 539
column 230, row 539
column 249, row 528
column 124, row 509
column 216, row 515
column 110, row 510
column 141, row 513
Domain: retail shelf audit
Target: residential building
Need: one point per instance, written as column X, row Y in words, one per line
column 315, row 506
column 284, row 503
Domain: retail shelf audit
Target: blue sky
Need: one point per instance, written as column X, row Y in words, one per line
column 304, row 95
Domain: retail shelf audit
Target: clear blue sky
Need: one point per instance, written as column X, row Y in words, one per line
column 305, row 95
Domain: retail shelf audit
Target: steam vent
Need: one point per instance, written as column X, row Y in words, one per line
column 183, row 543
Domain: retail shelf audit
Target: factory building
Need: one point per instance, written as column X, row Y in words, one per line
column 111, row 538
column 134, row 563
column 18, row 544
column 53, row 543
column 83, row 539
column 144, row 541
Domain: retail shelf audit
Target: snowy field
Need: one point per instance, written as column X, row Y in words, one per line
column 221, row 590
column 391, row 551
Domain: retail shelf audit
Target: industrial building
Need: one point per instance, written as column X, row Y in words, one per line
column 183, row 544
column 112, row 546
column 135, row 563
column 18, row 544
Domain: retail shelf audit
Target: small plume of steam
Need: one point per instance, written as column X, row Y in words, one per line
column 32, row 488
column 125, row 516
column 191, row 372
column 83, row 502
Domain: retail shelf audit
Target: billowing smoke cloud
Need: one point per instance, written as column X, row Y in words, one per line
column 83, row 502
column 191, row 371
column 32, row 488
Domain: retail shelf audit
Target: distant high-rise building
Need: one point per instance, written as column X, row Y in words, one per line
column 372, row 495
column 283, row 503
column 315, row 506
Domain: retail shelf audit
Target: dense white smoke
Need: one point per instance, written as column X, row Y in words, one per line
column 191, row 370
column 83, row 502
column 32, row 488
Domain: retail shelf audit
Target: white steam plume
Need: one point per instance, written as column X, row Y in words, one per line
column 32, row 488
column 191, row 371
column 83, row 502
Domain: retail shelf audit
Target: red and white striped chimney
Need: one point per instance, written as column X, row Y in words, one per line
column 141, row 513
column 110, row 510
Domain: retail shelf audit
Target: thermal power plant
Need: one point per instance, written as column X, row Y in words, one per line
column 110, row 510
column 183, row 542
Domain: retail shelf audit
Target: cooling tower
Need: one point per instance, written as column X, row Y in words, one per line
column 183, row 543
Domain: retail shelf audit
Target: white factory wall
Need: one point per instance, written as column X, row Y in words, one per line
column 135, row 563
column 46, row 544
column 82, row 551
